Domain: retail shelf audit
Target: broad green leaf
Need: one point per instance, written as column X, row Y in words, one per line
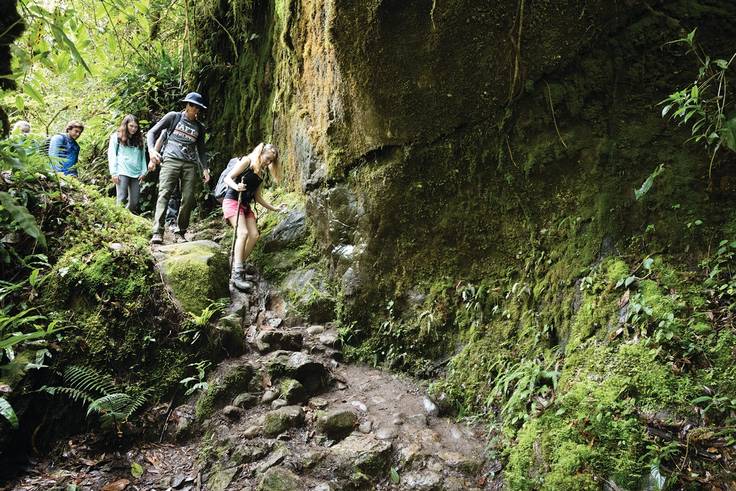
column 647, row 185
column 691, row 37
column 722, row 64
column 7, row 412
column 19, row 102
column 22, row 218
column 395, row 476
column 136, row 470
column 31, row 91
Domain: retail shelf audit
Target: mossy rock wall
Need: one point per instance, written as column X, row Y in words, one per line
column 469, row 172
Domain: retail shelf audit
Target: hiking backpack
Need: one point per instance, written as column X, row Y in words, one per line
column 221, row 187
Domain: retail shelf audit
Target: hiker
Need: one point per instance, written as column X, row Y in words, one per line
column 21, row 128
column 172, row 208
column 243, row 186
column 65, row 150
column 127, row 160
column 183, row 152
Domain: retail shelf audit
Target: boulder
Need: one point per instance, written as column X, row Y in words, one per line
column 223, row 387
column 309, row 296
column 220, row 478
column 228, row 335
column 425, row 480
column 279, row 479
column 292, row 391
column 245, row 400
column 195, row 272
column 362, row 454
column 278, row 340
column 292, row 231
column 313, row 375
column 280, row 420
column 337, row 423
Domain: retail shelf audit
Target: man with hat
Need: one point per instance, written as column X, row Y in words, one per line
column 183, row 153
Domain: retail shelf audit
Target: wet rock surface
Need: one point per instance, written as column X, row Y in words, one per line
column 286, row 416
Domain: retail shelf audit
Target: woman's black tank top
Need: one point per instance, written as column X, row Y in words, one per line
column 251, row 180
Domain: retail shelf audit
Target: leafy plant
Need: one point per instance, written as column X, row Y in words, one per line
column 520, row 385
column 199, row 382
column 703, row 103
column 196, row 323
column 101, row 395
column 647, row 185
column 7, row 412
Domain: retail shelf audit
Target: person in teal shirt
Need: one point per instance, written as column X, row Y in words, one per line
column 127, row 158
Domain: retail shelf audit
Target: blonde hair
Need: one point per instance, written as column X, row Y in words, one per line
column 275, row 170
column 275, row 163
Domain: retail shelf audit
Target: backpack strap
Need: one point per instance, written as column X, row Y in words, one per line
column 171, row 128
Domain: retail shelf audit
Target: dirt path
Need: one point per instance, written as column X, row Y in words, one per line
column 287, row 415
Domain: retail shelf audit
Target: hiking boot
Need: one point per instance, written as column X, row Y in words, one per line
column 241, row 284
column 157, row 239
column 179, row 238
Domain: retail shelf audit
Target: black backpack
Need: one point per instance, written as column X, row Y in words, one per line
column 221, row 187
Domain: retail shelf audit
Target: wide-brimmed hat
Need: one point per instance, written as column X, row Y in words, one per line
column 195, row 98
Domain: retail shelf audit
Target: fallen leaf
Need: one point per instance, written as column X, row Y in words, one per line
column 89, row 462
column 118, row 485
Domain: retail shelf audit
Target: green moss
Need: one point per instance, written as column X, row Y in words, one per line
column 222, row 389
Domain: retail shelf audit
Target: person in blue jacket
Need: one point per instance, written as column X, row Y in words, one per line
column 64, row 149
column 127, row 160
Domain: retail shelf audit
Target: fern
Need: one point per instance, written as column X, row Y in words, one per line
column 89, row 380
column 100, row 394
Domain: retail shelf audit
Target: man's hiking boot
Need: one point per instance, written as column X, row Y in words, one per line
column 179, row 238
column 157, row 239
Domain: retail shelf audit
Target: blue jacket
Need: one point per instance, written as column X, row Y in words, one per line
column 66, row 153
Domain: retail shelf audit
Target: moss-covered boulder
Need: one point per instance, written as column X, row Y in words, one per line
column 337, row 423
column 309, row 296
column 277, row 421
column 231, row 380
column 280, row 479
column 196, row 272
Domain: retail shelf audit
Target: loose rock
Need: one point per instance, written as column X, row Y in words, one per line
column 315, row 330
column 280, row 420
column 279, row 479
column 338, row 423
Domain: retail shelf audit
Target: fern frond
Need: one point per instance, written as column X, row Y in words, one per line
column 118, row 402
column 89, row 380
column 75, row 394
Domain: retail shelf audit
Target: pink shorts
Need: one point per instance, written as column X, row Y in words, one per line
column 230, row 208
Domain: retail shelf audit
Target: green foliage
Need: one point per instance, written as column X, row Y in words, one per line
column 199, row 382
column 99, row 392
column 703, row 103
column 647, row 185
column 721, row 273
column 7, row 412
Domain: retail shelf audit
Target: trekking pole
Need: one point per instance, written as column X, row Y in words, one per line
column 237, row 222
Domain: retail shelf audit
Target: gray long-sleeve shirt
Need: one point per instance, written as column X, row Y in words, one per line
column 186, row 141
